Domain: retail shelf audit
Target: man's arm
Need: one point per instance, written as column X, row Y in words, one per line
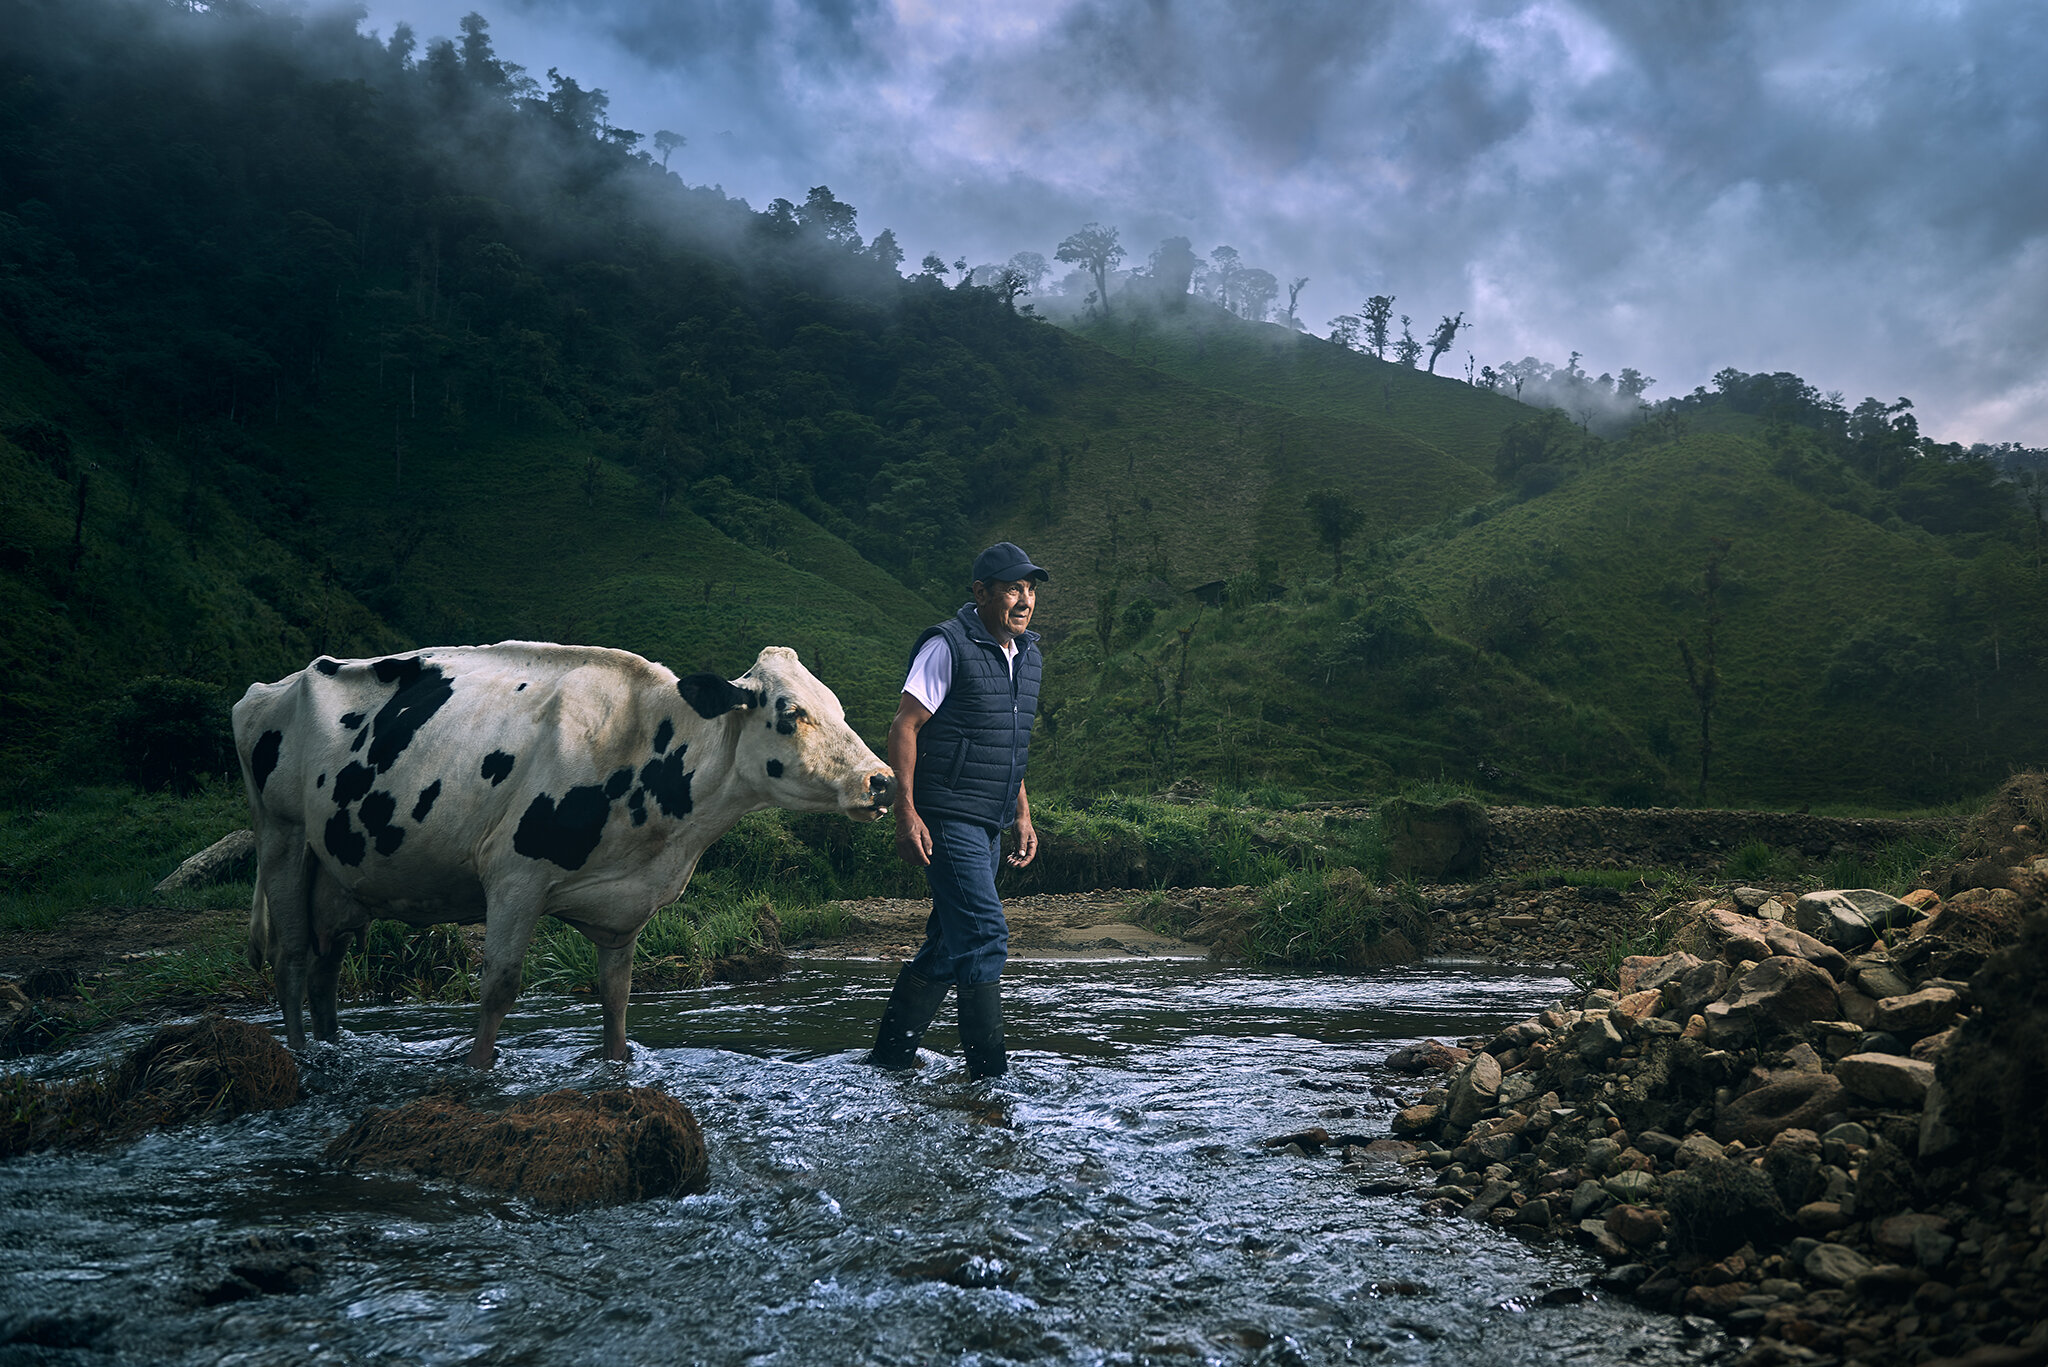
column 1027, row 834
column 913, row 840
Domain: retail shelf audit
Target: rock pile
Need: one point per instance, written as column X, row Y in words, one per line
column 562, row 1151
column 1819, row 1119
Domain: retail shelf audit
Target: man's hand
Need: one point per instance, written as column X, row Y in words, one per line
column 913, row 838
column 1027, row 843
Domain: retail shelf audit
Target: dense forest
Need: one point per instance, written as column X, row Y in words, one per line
column 313, row 340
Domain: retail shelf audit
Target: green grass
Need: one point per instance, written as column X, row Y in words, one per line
column 1894, row 868
column 1332, row 918
column 108, row 847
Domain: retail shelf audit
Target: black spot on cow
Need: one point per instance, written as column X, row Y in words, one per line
column 520, row 689
column 320, row 782
column 344, row 842
column 351, row 720
column 263, row 758
column 497, row 766
column 563, row 833
column 663, row 734
column 785, row 726
column 328, row 667
column 422, row 688
column 775, row 768
column 351, row 783
column 361, row 737
column 665, row 779
column 615, row 786
column 426, row 802
column 710, row 696
column 637, row 805
column 377, row 810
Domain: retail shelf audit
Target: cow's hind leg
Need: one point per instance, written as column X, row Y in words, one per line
column 614, row 985
column 280, row 915
column 509, row 923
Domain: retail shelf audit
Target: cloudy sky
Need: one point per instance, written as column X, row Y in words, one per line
column 1855, row 190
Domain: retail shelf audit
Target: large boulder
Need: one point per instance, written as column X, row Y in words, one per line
column 562, row 1151
column 1688, row 990
column 230, row 857
column 1851, row 918
column 1774, row 998
column 1474, row 1088
column 1433, row 840
column 1736, row 938
column 1787, row 1100
column 1920, row 1013
column 1886, row 1079
column 1799, row 945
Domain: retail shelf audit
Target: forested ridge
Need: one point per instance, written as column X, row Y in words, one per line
column 312, row 341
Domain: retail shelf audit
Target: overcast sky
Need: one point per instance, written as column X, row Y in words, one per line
column 1856, row 190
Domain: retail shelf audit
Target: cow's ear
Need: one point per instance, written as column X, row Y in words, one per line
column 710, row 696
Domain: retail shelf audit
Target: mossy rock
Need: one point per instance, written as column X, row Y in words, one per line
column 1434, row 840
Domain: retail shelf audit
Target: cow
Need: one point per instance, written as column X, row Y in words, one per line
column 505, row 782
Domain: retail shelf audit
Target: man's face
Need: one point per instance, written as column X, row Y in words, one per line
column 1005, row 605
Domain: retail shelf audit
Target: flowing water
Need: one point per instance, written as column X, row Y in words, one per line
column 1108, row 1202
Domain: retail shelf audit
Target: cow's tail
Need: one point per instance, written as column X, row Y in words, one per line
column 259, row 927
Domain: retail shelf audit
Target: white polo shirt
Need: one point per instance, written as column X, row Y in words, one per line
column 931, row 673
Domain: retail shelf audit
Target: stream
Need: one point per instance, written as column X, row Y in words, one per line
column 1107, row 1202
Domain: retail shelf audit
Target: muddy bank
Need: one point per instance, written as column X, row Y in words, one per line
column 1465, row 840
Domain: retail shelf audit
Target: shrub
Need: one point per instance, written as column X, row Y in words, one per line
column 169, row 733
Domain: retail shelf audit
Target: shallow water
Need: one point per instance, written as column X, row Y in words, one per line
column 1108, row 1202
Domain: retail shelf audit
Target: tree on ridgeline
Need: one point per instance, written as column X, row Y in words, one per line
column 1344, row 330
column 668, row 143
column 1445, row 335
column 1173, row 266
column 1377, row 317
column 1256, row 290
column 1294, row 288
column 1407, row 351
column 1096, row 250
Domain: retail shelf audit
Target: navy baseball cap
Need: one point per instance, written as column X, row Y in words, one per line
column 1005, row 560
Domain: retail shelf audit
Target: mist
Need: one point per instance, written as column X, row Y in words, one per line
column 1846, row 191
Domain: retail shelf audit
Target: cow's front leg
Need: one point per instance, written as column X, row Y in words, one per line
column 509, row 924
column 323, row 989
column 614, row 985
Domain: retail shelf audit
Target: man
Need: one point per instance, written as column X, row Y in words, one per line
column 959, row 743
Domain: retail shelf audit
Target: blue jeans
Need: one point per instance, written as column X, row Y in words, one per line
column 966, row 941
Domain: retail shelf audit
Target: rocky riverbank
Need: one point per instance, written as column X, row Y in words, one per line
column 1818, row 1120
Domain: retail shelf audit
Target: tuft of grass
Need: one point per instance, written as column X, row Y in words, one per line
column 1758, row 859
column 398, row 963
column 824, row 921
column 1894, row 868
column 1334, row 918
column 1602, row 968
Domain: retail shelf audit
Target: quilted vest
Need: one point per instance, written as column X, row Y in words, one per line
column 971, row 754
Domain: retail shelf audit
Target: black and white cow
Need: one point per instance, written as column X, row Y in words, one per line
column 503, row 783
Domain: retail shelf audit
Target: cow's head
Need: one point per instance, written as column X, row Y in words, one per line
column 794, row 744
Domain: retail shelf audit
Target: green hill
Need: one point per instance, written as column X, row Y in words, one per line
column 371, row 348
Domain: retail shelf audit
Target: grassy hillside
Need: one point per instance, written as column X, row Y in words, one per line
column 369, row 350
column 1280, row 368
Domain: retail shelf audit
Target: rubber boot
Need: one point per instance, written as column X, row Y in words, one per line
column 913, row 1003
column 981, row 1030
